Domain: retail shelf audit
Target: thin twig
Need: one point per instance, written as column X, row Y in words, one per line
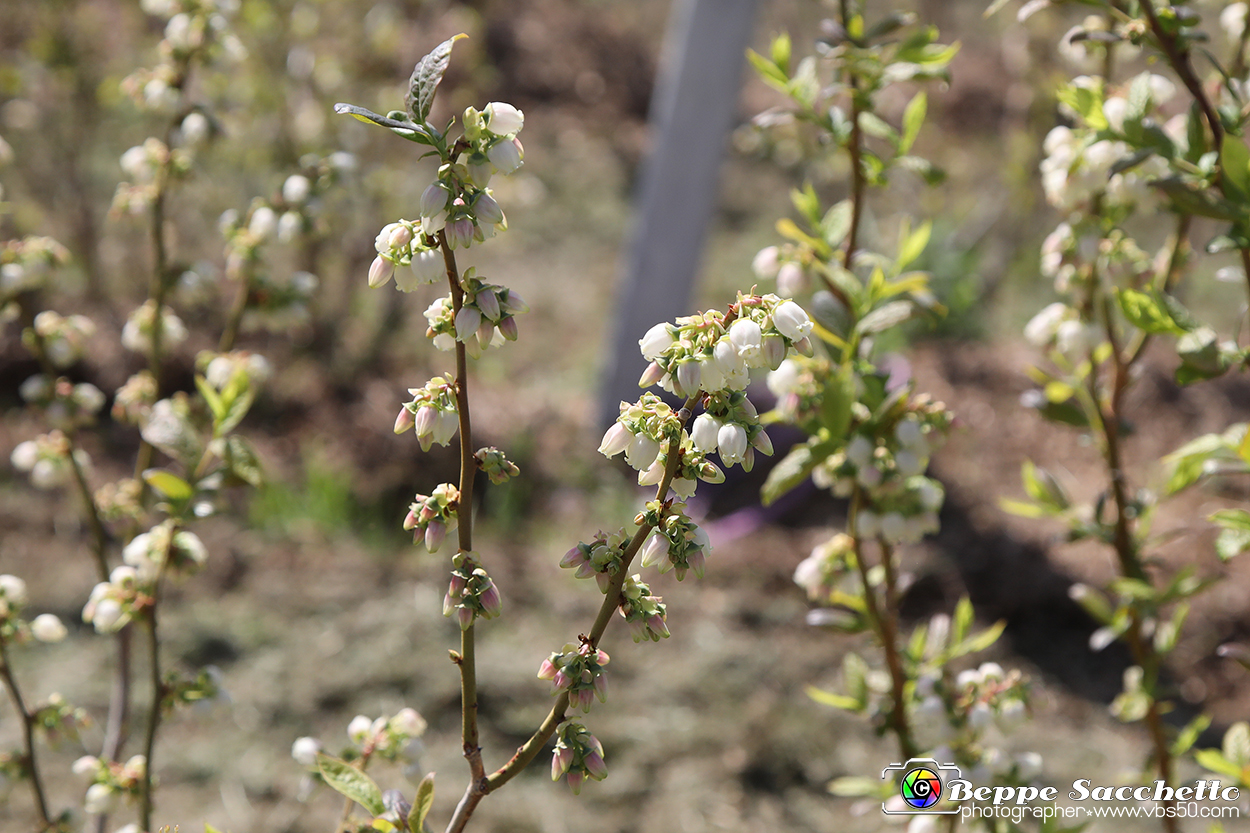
column 28, row 738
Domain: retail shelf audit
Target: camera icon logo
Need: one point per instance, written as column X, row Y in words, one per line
column 921, row 784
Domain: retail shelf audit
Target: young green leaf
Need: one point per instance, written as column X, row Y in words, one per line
column 421, row 804
column 351, row 783
column 426, row 77
column 168, row 484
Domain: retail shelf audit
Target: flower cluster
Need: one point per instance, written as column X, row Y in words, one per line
column 45, row 627
column 678, row 544
column 128, row 592
column 1096, row 159
column 149, row 166
column 25, row 264
column 783, row 264
column 578, row 755
column 47, row 458
column 134, row 400
column 644, row 613
column 63, row 338
column 393, row 738
column 579, row 670
column 432, row 517
column 486, row 317
column 641, row 430
column 137, row 333
column 495, row 465
column 955, row 715
column 823, row 570
column 164, row 548
column 729, row 426
column 700, row 353
column 601, row 558
column 222, row 369
column 471, row 593
column 66, row 405
column 432, row 412
column 109, row 781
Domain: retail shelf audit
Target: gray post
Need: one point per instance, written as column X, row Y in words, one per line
column 692, row 111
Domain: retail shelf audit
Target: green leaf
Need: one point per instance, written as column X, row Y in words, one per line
column 350, row 782
column 837, row 701
column 1188, row 198
column 1189, row 735
column 242, row 463
column 1212, row 759
column 886, row 316
column 790, row 471
column 980, row 641
column 835, row 408
column 854, row 787
column 1185, row 464
column 874, row 125
column 836, row 223
column 408, row 130
column 1042, row 486
column 1024, row 509
column 1231, row 519
column 961, row 622
column 913, row 246
column 211, row 397
column 421, row 804
column 168, row 484
column 913, row 119
column 1148, row 312
column 426, row 76
column 1235, row 163
column 807, row 203
column 781, row 51
column 236, row 409
column 1087, row 103
column 772, row 74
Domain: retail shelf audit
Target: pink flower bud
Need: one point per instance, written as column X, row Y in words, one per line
column 575, row 782
column 561, row 680
column 651, row 376
column 804, row 347
column 655, row 551
column 748, row 460
column 657, row 626
column 547, row 671
column 601, row 656
column 380, row 271
column 601, row 687
column 791, row 280
column 697, row 561
column 488, row 302
column 404, row 421
column 774, row 348
column 492, row 605
column 561, row 760
column 595, row 767
column 586, row 570
column 709, row 472
column 763, row 443
column 410, row 520
column 400, row 237
column 488, row 211
column 459, row 233
column 434, row 535
column 433, row 199
column 573, row 558
column 467, row 322
column 653, row 475
column 465, row 617
column 603, row 580
column 507, row 326
column 765, row 263
column 424, row 420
